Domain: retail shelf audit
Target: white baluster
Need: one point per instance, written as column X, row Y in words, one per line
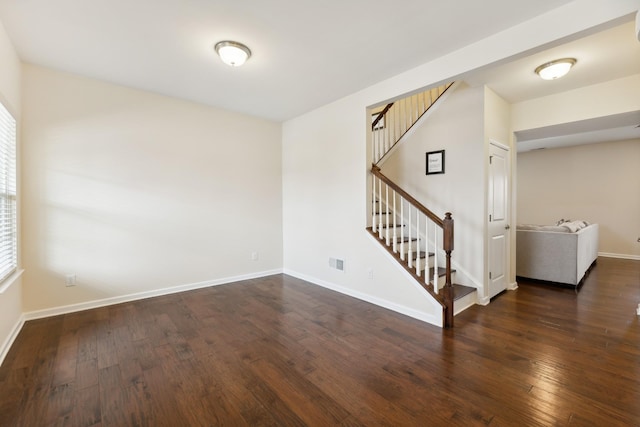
column 381, row 144
column 435, row 257
column 379, row 141
column 417, row 243
column 373, row 145
column 395, row 225
column 410, row 252
column 386, row 212
column 386, row 139
column 402, row 254
column 404, row 117
column 396, row 113
column 373, row 203
column 380, row 209
column 407, row 114
column 414, row 107
column 385, row 130
column 426, row 250
column 376, row 145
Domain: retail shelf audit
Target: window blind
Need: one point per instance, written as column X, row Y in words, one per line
column 8, row 220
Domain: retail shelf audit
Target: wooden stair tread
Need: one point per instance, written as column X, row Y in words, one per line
column 423, row 254
column 460, row 291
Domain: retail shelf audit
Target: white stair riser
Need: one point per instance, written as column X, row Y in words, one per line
column 465, row 302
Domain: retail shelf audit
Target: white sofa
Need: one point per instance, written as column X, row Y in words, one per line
column 555, row 253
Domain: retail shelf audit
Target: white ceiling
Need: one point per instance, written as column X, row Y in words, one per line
column 606, row 55
column 611, row 53
column 305, row 53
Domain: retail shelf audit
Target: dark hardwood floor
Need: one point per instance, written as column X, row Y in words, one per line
column 279, row 351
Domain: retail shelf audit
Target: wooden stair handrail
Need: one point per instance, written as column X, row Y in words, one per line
column 433, row 217
column 381, row 115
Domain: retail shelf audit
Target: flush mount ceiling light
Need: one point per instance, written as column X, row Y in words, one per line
column 555, row 69
column 232, row 53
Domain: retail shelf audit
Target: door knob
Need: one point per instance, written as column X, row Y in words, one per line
column 507, row 227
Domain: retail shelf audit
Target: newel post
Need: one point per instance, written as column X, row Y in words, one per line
column 447, row 245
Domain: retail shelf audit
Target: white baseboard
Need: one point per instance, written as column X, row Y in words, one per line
column 6, row 345
column 620, row 256
column 398, row 308
column 484, row 301
column 55, row 311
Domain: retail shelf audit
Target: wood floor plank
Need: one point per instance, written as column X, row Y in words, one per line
column 66, row 363
column 300, row 394
column 86, row 412
column 87, row 343
column 278, row 351
column 165, row 410
column 61, row 404
column 230, row 380
column 13, row 388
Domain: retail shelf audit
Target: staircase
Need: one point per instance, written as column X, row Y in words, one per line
column 419, row 240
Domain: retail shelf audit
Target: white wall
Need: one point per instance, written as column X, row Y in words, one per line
column 10, row 73
column 326, row 159
column 11, row 294
column 456, row 126
column 574, row 183
column 135, row 192
column 324, row 215
column 599, row 183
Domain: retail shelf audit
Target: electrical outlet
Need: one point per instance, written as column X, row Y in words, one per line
column 255, row 256
column 70, row 280
column 370, row 273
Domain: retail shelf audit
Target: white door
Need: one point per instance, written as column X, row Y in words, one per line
column 498, row 218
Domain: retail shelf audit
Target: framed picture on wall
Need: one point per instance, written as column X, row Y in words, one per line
column 435, row 162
